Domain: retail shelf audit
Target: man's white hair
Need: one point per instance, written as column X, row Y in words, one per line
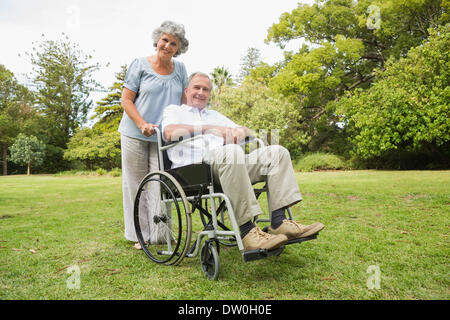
column 199, row 74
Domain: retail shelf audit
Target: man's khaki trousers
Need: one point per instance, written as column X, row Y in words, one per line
column 237, row 172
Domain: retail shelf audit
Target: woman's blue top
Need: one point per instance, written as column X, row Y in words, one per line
column 154, row 92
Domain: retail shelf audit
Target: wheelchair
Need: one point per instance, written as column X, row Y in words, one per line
column 183, row 191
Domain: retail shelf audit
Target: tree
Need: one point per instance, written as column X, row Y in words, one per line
column 27, row 150
column 346, row 41
column 385, row 27
column 16, row 111
column 8, row 126
column 221, row 77
column 63, row 76
column 249, row 62
column 100, row 145
column 109, row 110
column 263, row 73
column 93, row 148
column 407, row 108
column 269, row 114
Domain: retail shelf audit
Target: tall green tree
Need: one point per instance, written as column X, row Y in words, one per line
column 16, row 112
column 99, row 146
column 95, row 149
column 27, row 150
column 62, row 73
column 249, row 61
column 221, row 77
column 385, row 27
column 346, row 41
column 263, row 72
column 408, row 106
column 270, row 115
column 109, row 111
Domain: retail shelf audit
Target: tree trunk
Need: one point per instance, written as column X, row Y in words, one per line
column 29, row 168
column 5, row 168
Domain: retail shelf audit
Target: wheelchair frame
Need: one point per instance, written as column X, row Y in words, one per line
column 175, row 189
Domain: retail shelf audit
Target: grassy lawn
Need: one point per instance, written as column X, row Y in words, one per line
column 395, row 222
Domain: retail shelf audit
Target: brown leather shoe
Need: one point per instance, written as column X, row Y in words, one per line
column 257, row 239
column 295, row 230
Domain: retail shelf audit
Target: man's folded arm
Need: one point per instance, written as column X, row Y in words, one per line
column 173, row 132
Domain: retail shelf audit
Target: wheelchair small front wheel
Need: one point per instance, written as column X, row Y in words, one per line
column 209, row 259
column 162, row 218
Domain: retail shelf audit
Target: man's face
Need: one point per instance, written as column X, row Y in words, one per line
column 198, row 92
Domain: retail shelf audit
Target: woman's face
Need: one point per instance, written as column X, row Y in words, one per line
column 167, row 45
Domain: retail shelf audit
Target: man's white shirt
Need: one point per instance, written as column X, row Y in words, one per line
column 194, row 151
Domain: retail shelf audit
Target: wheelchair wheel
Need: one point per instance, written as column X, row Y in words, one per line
column 164, row 217
column 209, row 259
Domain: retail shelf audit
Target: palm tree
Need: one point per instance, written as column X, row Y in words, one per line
column 221, row 77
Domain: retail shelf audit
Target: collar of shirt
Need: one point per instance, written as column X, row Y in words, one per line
column 194, row 109
column 197, row 150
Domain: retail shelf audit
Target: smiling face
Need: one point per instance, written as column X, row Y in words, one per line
column 198, row 92
column 167, row 45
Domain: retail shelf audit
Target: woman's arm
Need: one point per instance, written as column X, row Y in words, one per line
column 128, row 97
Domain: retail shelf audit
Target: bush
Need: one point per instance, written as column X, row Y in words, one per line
column 116, row 172
column 101, row 171
column 402, row 159
column 320, row 161
column 76, row 173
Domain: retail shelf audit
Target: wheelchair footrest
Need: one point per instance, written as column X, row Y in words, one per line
column 299, row 240
column 257, row 254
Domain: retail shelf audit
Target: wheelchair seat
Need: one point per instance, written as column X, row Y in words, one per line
column 194, row 178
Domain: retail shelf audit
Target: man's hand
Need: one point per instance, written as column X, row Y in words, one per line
column 235, row 135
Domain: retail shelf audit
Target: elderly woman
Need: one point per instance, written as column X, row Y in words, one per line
column 151, row 84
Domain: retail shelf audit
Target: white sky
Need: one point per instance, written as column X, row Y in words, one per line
column 219, row 32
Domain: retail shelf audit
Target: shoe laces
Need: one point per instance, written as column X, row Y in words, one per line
column 263, row 234
column 296, row 224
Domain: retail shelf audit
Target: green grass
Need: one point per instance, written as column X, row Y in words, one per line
column 398, row 221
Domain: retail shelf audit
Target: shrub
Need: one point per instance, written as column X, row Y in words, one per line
column 101, row 171
column 319, row 161
column 116, row 172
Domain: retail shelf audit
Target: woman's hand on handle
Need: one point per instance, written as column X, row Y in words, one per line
column 148, row 129
column 128, row 97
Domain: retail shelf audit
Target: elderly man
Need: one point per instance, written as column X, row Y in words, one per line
column 235, row 170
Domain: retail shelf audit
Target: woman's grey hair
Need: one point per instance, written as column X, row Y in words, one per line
column 175, row 29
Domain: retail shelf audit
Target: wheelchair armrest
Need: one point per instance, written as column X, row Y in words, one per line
column 183, row 139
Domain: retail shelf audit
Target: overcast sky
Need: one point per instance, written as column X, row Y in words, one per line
column 219, row 32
